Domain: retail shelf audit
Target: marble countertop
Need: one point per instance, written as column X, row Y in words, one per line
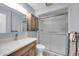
column 8, row 48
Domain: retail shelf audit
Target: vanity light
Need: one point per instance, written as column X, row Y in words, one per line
column 17, row 7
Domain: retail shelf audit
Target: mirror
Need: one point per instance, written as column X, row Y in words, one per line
column 11, row 20
column 17, row 22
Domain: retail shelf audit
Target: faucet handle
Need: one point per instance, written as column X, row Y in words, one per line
column 16, row 35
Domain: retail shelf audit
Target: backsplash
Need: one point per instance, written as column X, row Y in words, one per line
column 8, row 37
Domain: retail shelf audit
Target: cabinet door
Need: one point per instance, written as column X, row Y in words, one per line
column 29, row 22
column 32, row 51
column 26, row 54
column 32, row 23
column 28, row 50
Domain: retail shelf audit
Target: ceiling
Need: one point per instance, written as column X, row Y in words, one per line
column 38, row 6
column 41, row 8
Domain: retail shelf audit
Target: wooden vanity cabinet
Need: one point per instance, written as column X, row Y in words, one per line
column 28, row 50
column 32, row 23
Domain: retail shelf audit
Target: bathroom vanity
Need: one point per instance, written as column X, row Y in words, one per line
column 22, row 47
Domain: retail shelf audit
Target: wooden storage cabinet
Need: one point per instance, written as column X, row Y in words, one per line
column 28, row 50
column 32, row 23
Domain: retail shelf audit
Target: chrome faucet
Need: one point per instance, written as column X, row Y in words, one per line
column 16, row 36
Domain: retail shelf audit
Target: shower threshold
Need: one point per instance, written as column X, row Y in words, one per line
column 51, row 53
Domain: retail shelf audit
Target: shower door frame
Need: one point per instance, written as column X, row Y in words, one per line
column 67, row 51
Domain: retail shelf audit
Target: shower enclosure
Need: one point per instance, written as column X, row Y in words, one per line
column 53, row 33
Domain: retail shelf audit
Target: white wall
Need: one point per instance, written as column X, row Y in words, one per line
column 74, row 17
column 27, row 7
column 55, row 7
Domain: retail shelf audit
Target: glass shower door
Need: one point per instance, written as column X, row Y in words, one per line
column 53, row 33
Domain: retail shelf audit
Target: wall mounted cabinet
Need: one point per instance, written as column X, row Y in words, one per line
column 32, row 23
